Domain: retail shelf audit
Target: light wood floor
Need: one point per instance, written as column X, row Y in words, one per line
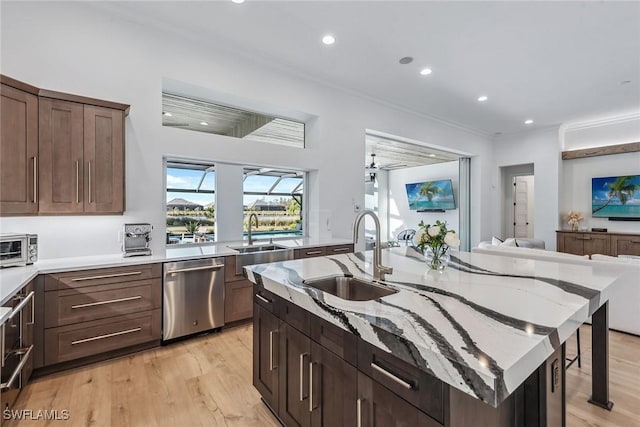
column 206, row 381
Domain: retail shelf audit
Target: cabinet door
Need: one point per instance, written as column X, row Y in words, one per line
column 238, row 301
column 597, row 244
column 625, row 245
column 18, row 152
column 334, row 390
column 104, row 160
column 571, row 243
column 378, row 407
column 265, row 355
column 61, row 157
column 295, row 357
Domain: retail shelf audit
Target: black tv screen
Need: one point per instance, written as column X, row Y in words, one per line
column 616, row 197
column 431, row 195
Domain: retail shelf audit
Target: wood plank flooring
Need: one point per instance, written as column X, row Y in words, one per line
column 206, row 381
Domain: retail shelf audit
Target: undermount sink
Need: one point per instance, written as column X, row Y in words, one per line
column 350, row 288
column 250, row 255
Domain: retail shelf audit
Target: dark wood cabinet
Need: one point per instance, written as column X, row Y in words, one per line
column 295, row 361
column 323, row 251
column 266, row 335
column 238, row 301
column 380, row 407
column 18, row 151
column 589, row 243
column 61, row 168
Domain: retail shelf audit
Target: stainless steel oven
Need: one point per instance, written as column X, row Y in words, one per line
column 18, row 249
column 16, row 343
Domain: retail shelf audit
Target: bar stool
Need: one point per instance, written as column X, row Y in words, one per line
column 578, row 357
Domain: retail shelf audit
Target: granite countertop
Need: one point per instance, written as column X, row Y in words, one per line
column 12, row 279
column 483, row 325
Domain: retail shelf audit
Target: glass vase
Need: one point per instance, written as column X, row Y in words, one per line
column 437, row 259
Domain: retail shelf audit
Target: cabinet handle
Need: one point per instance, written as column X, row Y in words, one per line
column 89, row 181
column 359, row 412
column 16, row 373
column 35, row 179
column 391, row 376
column 24, row 301
column 302, row 356
column 340, row 249
column 33, row 311
column 312, row 405
column 208, row 267
column 111, row 301
column 106, row 276
column 271, row 365
column 2, row 345
column 101, row 337
column 635, row 241
column 77, row 181
column 263, row 299
column 313, row 252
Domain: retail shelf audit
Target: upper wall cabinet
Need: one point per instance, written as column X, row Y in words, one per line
column 18, row 150
column 74, row 163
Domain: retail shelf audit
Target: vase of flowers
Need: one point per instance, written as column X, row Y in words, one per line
column 434, row 242
column 573, row 219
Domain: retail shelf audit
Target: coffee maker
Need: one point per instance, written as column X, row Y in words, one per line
column 136, row 239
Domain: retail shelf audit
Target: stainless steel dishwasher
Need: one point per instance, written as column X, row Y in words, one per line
column 193, row 297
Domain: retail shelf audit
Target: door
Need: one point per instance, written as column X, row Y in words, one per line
column 61, row 157
column 265, row 355
column 597, row 244
column 104, row 160
column 18, row 152
column 523, row 206
column 379, row 407
column 295, row 366
column 334, row 390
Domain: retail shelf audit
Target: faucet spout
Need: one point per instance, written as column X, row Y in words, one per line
column 253, row 215
column 379, row 270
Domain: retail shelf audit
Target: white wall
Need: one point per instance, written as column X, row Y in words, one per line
column 540, row 147
column 576, row 186
column 400, row 216
column 77, row 48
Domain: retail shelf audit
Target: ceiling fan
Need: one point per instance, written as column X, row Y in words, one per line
column 372, row 168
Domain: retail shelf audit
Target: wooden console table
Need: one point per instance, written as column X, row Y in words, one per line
column 590, row 242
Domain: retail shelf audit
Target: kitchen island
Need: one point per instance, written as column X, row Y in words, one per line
column 481, row 343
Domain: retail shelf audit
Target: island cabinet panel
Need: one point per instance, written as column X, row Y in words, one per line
column 625, row 244
column 266, row 328
column 295, row 359
column 18, row 152
column 379, row 407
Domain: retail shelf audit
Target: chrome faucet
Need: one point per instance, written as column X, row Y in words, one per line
column 253, row 215
column 378, row 270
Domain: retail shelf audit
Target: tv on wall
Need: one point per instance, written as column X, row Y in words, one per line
column 431, row 196
column 616, row 197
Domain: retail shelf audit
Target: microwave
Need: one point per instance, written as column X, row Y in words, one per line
column 18, row 249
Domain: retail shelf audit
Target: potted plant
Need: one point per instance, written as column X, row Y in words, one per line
column 434, row 242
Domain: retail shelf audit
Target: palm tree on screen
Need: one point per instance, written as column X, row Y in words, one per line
column 622, row 188
column 429, row 190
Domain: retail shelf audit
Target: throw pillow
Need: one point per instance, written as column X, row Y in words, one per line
column 495, row 241
column 510, row 242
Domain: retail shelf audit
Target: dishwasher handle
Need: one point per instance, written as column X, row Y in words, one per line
column 184, row 270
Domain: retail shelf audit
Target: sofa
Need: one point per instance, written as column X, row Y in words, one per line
column 624, row 302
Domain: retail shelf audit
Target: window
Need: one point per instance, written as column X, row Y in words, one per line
column 203, row 116
column 191, row 210
column 275, row 196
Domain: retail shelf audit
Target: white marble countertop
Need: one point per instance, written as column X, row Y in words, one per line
column 483, row 325
column 12, row 279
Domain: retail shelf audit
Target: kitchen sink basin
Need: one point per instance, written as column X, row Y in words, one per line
column 350, row 288
column 263, row 254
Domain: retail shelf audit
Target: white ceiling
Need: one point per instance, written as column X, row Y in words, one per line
column 554, row 62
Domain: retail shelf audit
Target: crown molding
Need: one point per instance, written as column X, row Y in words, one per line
column 612, row 120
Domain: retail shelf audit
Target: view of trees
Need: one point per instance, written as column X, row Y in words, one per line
column 429, row 190
column 622, row 189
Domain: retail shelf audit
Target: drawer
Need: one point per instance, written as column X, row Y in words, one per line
column 334, row 339
column 413, row 385
column 294, row 316
column 238, row 301
column 265, row 299
column 71, row 342
column 70, row 306
column 339, row 249
column 310, row 252
column 101, row 276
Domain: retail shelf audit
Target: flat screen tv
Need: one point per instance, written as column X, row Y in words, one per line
column 431, row 196
column 616, row 197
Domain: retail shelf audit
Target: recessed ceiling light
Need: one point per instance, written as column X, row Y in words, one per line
column 406, row 60
column 528, row 122
column 432, row 155
column 166, row 113
column 238, row 1
column 426, row 71
column 328, row 39
column 204, row 123
column 482, row 98
column 625, row 82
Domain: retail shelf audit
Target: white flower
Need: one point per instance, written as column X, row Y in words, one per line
column 433, row 231
column 451, row 239
column 417, row 238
